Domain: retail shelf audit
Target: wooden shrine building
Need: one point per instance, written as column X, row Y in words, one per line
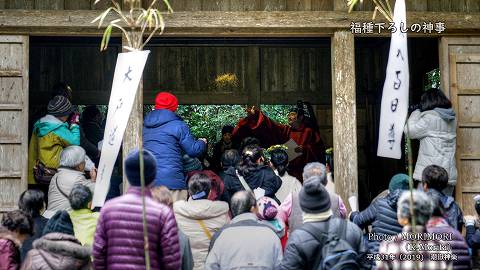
column 280, row 51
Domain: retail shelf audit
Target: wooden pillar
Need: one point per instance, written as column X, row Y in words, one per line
column 133, row 132
column 344, row 114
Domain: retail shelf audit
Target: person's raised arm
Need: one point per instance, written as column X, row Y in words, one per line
column 189, row 144
column 259, row 125
column 366, row 217
column 417, row 126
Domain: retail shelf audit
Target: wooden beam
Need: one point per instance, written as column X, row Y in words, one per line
column 219, row 23
column 344, row 114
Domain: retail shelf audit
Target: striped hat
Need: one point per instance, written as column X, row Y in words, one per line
column 59, row 106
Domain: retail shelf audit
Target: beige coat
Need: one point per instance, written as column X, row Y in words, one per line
column 214, row 214
column 66, row 179
column 289, row 185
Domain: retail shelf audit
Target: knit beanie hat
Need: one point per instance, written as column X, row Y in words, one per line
column 267, row 208
column 59, row 106
column 398, row 181
column 132, row 167
column 313, row 197
column 59, row 223
column 167, row 101
column 191, row 164
column 227, row 129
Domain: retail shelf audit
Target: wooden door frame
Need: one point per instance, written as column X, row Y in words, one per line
column 449, row 82
column 23, row 40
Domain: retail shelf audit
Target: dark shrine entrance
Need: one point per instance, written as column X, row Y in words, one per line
column 240, row 71
column 371, row 56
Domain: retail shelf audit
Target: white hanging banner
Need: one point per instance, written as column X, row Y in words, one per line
column 128, row 72
column 395, row 90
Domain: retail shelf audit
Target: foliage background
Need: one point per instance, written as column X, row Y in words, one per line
column 206, row 121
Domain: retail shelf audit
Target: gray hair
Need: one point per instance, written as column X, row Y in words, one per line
column 315, row 169
column 72, row 156
column 422, row 207
column 242, row 202
column 79, row 197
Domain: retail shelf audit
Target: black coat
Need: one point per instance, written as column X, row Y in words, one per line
column 302, row 247
column 39, row 225
column 264, row 177
column 382, row 215
column 453, row 213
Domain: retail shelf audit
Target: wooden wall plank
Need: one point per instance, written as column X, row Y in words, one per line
column 344, row 114
column 274, row 5
column 458, row 6
column 178, row 5
column 248, row 5
column 13, row 120
column 340, row 5
column 416, row 5
column 446, row 5
column 299, row 5
column 193, row 5
column 434, row 5
column 77, row 4
column 218, row 5
column 102, row 5
column 19, row 4
column 322, row 5
column 49, row 4
column 473, row 5
column 252, row 84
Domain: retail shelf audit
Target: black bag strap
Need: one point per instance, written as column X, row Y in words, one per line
column 332, row 231
column 56, row 184
column 320, row 235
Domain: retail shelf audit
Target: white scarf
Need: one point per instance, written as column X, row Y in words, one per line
column 309, row 217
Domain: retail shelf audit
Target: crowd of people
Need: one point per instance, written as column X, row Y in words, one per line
column 250, row 209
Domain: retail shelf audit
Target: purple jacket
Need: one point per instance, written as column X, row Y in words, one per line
column 458, row 244
column 9, row 251
column 119, row 241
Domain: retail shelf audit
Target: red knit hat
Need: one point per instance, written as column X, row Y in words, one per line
column 167, row 101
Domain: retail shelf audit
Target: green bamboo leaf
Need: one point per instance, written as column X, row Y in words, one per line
column 162, row 22
column 115, row 21
column 150, row 18
column 157, row 20
column 351, row 4
column 141, row 16
column 169, row 8
column 106, row 38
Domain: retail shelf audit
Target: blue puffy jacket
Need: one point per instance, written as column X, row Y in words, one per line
column 166, row 135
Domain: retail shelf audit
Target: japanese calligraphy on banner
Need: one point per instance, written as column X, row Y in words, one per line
column 395, row 90
column 128, row 72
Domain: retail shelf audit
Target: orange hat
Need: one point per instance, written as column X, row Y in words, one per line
column 167, row 101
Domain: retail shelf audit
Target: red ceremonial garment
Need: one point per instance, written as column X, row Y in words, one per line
column 271, row 133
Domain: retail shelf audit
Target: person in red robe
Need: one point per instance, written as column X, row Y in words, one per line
column 308, row 139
